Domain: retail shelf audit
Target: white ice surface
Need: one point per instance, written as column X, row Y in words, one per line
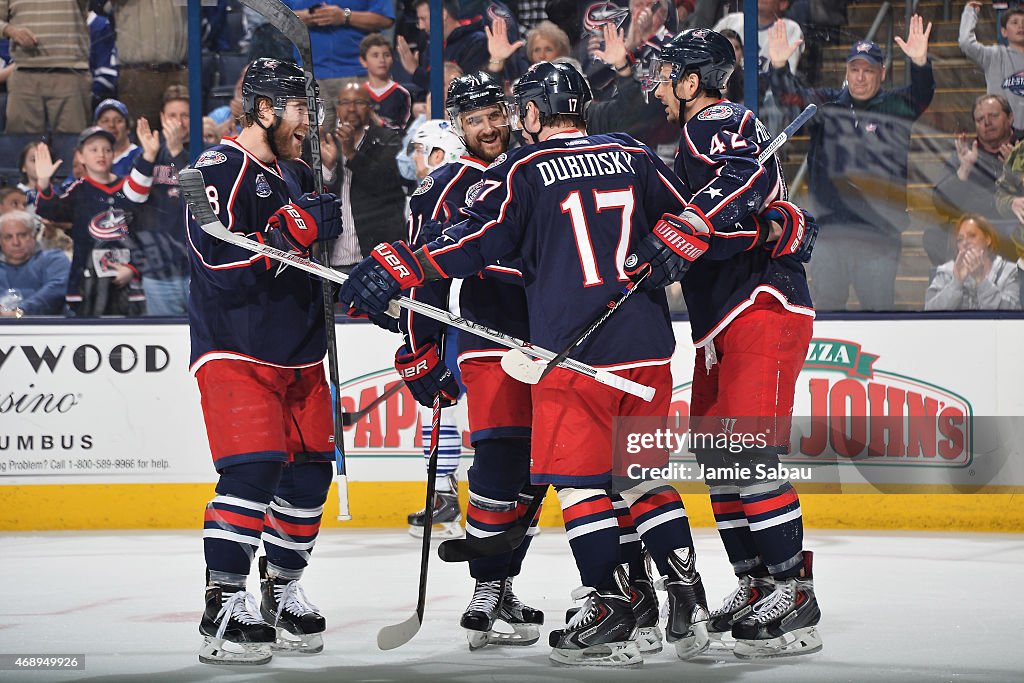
column 896, row 607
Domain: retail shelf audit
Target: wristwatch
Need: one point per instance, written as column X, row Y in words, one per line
column 348, row 15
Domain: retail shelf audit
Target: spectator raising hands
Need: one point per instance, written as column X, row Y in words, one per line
column 498, row 44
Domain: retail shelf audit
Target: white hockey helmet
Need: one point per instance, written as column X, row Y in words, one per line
column 438, row 134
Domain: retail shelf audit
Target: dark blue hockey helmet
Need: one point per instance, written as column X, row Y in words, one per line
column 470, row 92
column 279, row 82
column 555, row 88
column 702, row 51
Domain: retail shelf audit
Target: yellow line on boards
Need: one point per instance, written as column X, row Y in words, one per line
column 386, row 505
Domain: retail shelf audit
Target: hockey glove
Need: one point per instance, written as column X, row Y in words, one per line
column 378, row 279
column 381, row 320
column 799, row 231
column 312, row 218
column 425, row 374
column 670, row 249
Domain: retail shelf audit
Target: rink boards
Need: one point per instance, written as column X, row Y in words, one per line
column 100, row 427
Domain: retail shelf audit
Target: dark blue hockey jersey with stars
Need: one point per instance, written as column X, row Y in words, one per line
column 717, row 160
column 242, row 305
column 494, row 298
column 572, row 208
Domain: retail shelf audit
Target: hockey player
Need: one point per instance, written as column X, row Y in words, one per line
column 499, row 407
column 433, row 145
column 751, row 317
column 563, row 205
column 258, row 344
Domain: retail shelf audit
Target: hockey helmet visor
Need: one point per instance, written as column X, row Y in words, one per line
column 470, row 93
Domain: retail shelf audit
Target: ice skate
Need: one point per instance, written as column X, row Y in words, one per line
column 644, row 601
column 478, row 619
column 524, row 620
column 600, row 633
column 232, row 630
column 736, row 607
column 447, row 515
column 687, row 625
column 784, row 623
column 299, row 626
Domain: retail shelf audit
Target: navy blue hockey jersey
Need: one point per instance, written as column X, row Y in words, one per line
column 717, row 160
column 495, row 298
column 572, row 208
column 393, row 106
column 101, row 217
column 243, row 305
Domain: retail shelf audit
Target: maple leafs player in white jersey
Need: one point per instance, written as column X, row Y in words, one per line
column 258, row 344
column 751, row 317
column 570, row 206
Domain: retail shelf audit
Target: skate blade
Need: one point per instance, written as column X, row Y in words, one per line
column 521, row 635
column 623, row 654
column 439, row 531
column 220, row 651
column 694, row 643
column 289, row 643
column 648, row 640
column 803, row 641
column 722, row 640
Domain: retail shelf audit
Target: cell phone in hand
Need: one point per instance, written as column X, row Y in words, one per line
column 316, row 7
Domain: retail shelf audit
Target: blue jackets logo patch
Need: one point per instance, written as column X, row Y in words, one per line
column 262, row 186
column 424, row 187
column 715, row 113
column 210, row 158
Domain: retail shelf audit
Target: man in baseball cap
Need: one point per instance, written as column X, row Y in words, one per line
column 865, row 70
column 112, row 115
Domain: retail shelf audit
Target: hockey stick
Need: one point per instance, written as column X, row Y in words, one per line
column 348, row 419
column 281, row 17
column 476, row 547
column 396, row 635
column 519, row 366
column 192, row 187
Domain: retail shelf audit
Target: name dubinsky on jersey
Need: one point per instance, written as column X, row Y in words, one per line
column 572, row 208
column 717, row 160
column 495, row 299
column 243, row 305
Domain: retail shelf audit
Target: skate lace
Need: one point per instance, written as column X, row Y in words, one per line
column 588, row 611
column 485, row 598
column 734, row 600
column 776, row 604
column 241, row 607
column 291, row 597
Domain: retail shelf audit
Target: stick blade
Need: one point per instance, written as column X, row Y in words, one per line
column 470, row 548
column 518, row 365
column 397, row 635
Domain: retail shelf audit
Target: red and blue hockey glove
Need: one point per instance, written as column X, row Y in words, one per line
column 425, row 374
column 378, row 278
column 799, row 230
column 311, row 218
column 671, row 247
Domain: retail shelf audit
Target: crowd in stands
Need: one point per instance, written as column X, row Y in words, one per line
column 95, row 113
